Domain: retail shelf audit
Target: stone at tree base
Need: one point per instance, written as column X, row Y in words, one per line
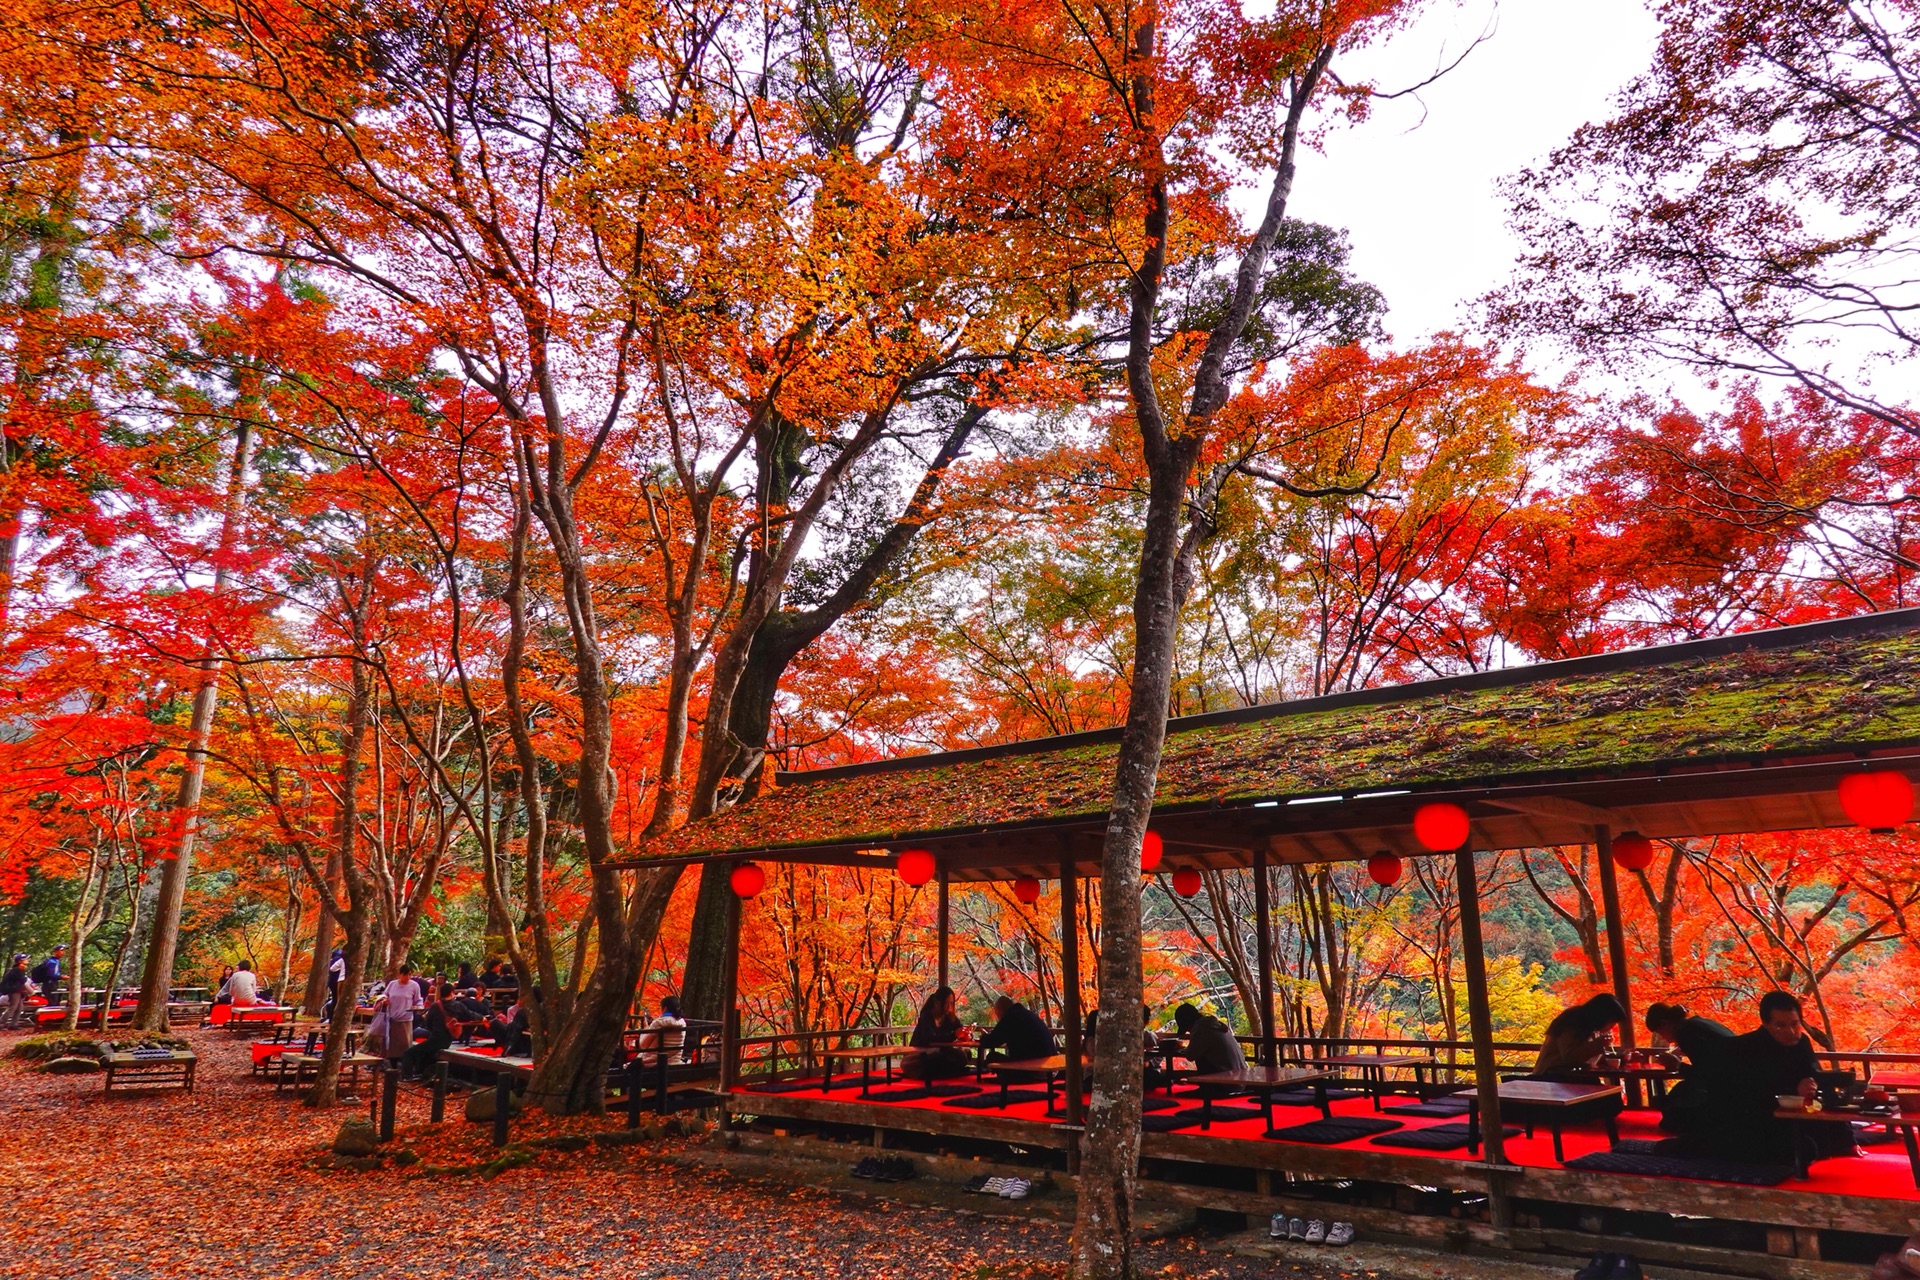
column 480, row 1104
column 356, row 1138
column 73, row 1066
column 359, row 1164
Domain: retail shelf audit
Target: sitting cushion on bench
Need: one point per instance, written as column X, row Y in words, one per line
column 991, row 1099
column 921, row 1093
column 1306, row 1097
column 1193, row 1117
column 1439, row 1137
column 1438, row 1108
column 1698, row 1168
column 1327, row 1133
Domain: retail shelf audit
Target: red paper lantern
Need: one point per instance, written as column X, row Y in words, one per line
column 915, row 866
column 1027, row 889
column 1384, row 868
column 1186, row 882
column 1150, row 850
column 1881, row 800
column 1441, row 828
column 1633, row 851
column 747, row 879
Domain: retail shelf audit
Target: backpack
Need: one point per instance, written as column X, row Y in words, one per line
column 43, row 975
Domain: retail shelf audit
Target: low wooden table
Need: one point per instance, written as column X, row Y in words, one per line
column 1807, row 1151
column 1049, row 1070
column 490, row 1063
column 1654, row 1079
column 1260, row 1080
column 296, row 1068
column 150, row 1070
column 1553, row 1103
column 1373, row 1068
column 866, row 1056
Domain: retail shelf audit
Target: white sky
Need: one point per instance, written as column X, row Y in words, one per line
column 1418, row 196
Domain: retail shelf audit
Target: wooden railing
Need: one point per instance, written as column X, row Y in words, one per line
column 800, row 1050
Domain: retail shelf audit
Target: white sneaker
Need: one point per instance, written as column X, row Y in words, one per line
column 1316, row 1232
column 1277, row 1229
column 1341, row 1233
column 995, row 1186
column 1021, row 1189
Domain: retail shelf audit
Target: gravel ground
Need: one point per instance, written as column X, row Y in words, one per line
column 234, row 1180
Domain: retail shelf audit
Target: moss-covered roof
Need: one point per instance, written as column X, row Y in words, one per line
column 1767, row 695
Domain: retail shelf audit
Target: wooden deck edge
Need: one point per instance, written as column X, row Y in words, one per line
column 879, row 1115
column 1767, row 1206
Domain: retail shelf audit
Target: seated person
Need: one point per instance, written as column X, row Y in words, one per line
column 1702, row 1042
column 665, row 1034
column 442, row 1027
column 935, row 1036
column 1211, row 1044
column 1577, row 1038
column 509, row 1033
column 223, row 994
column 243, row 988
column 1156, row 1078
column 491, row 978
column 473, row 1009
column 1017, row 1032
column 1739, row 1093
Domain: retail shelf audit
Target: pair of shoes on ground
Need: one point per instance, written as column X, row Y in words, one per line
column 888, row 1169
column 1005, row 1188
column 1315, row 1232
column 1611, row 1266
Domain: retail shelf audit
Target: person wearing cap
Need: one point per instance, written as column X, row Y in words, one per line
column 14, row 985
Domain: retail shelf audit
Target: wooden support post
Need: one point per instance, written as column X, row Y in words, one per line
column 730, row 1013
column 944, row 924
column 502, row 1106
column 439, row 1093
column 1263, row 925
column 1070, row 981
column 1616, row 932
column 389, row 1100
column 1480, row 1019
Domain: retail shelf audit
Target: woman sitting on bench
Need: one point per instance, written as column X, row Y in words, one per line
column 934, row 1038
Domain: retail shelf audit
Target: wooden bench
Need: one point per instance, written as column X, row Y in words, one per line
column 150, row 1070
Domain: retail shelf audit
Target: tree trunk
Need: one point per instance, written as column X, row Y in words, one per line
column 346, row 831
column 571, row 1075
column 157, row 977
column 316, row 992
column 780, row 638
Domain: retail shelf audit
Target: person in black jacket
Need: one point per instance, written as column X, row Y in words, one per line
column 509, row 1034
column 13, row 993
column 442, row 1026
column 1703, row 1043
column 1018, row 1032
column 1772, row 1061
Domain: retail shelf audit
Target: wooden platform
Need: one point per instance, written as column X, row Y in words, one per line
column 1782, row 1208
